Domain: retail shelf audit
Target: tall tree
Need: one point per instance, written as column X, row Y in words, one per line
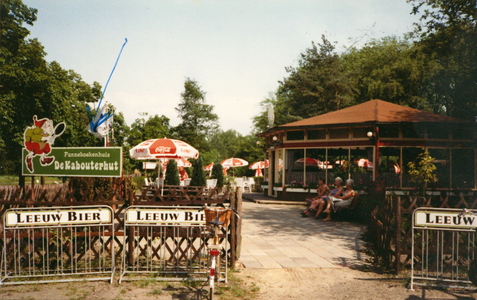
column 283, row 112
column 198, row 175
column 448, row 33
column 218, row 173
column 198, row 120
column 172, row 174
column 32, row 86
column 142, row 129
column 391, row 69
column 319, row 84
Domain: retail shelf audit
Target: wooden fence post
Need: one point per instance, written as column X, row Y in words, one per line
column 398, row 233
column 130, row 232
column 238, row 232
column 233, row 222
column 236, row 226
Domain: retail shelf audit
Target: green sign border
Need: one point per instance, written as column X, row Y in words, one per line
column 116, row 154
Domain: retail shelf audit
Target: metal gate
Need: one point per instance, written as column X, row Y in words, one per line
column 57, row 244
column 443, row 247
column 165, row 241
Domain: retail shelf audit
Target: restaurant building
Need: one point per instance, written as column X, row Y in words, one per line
column 372, row 141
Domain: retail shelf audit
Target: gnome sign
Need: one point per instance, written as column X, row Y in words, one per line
column 38, row 140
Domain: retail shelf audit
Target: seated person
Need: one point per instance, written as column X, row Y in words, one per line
column 323, row 191
column 340, row 201
column 338, row 191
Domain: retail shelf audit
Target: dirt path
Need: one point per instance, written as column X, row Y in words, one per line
column 260, row 284
column 344, row 283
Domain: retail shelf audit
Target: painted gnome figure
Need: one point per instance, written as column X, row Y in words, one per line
column 38, row 140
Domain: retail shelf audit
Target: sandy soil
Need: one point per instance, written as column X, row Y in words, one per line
column 297, row 283
column 344, row 283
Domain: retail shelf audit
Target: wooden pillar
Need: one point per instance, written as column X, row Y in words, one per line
column 239, row 224
column 232, row 237
column 376, row 163
column 401, row 162
column 397, row 208
column 325, row 164
column 33, row 188
column 130, row 234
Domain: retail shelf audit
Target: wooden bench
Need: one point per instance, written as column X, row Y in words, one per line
column 353, row 204
column 348, row 208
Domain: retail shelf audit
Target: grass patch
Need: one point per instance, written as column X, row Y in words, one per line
column 155, row 292
column 72, row 290
column 144, row 283
column 193, row 284
column 13, row 180
column 83, row 296
column 237, row 289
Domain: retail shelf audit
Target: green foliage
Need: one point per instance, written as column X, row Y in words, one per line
column 319, row 84
column 218, row 173
column 448, row 34
column 283, row 113
column 197, row 118
column 229, row 181
column 198, row 175
column 391, row 69
column 143, row 129
column 422, row 172
column 172, row 174
column 230, row 143
column 155, row 127
column 138, row 183
column 33, row 86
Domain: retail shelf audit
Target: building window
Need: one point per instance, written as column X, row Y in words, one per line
column 410, row 131
column 315, row 165
column 463, row 168
column 462, row 133
column 409, row 155
column 339, row 133
column 361, row 166
column 442, row 163
column 388, row 131
column 294, row 166
column 338, row 164
column 317, row 134
column 438, row 131
column 295, row 135
column 361, row 132
column 390, row 169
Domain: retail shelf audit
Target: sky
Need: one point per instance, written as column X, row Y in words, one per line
column 236, row 50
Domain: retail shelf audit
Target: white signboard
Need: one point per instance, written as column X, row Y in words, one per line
column 71, row 216
column 164, row 216
column 149, row 165
column 444, row 219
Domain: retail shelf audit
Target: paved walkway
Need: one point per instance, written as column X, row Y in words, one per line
column 276, row 236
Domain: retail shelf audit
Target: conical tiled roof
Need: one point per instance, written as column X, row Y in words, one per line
column 374, row 111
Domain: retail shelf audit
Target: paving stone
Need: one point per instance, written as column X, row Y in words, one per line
column 275, row 236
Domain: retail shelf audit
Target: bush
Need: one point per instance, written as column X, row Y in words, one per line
column 137, row 183
column 172, row 174
column 218, row 173
column 198, row 175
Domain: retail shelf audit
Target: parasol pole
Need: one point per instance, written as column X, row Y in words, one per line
column 163, row 178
